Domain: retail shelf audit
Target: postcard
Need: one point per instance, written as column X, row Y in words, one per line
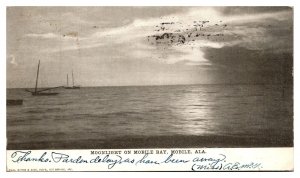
column 144, row 88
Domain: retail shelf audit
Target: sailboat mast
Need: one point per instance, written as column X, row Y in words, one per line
column 72, row 78
column 37, row 78
column 67, row 80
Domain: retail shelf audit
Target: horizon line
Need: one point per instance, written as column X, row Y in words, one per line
column 162, row 85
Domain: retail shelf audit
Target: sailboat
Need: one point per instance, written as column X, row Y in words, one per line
column 37, row 92
column 73, row 86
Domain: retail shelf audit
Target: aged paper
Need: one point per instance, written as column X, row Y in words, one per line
column 212, row 159
column 149, row 88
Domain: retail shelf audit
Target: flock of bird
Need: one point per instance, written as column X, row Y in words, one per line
column 175, row 33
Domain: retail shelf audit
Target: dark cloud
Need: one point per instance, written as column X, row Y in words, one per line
column 241, row 65
column 266, row 32
column 238, row 10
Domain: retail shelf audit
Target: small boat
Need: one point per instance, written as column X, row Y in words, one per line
column 37, row 92
column 73, row 86
column 10, row 102
column 44, row 94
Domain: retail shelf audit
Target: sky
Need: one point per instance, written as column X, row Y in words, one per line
column 121, row 46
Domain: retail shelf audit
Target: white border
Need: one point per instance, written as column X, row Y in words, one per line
column 149, row 3
column 294, row 3
column 282, row 159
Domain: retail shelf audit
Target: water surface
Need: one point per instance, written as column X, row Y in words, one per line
column 108, row 113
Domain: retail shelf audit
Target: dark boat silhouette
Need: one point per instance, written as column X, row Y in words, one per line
column 73, row 86
column 37, row 92
column 16, row 102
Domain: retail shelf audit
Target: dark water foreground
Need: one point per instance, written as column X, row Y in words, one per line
column 160, row 142
column 153, row 117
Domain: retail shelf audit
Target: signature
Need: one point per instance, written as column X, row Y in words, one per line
column 220, row 164
column 202, row 163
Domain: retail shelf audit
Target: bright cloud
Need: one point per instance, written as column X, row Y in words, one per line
column 45, row 35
